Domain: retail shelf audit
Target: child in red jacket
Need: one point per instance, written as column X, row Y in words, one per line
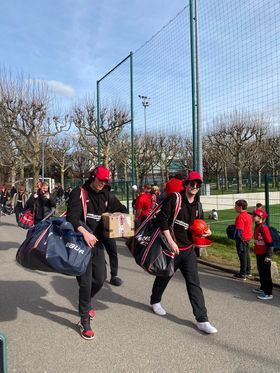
column 263, row 248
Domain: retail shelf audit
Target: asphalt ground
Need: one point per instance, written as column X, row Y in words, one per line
column 38, row 314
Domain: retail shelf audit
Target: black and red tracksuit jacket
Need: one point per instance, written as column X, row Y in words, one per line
column 187, row 214
column 97, row 204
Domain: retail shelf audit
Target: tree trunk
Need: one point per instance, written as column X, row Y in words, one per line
column 259, row 178
column 13, row 175
column 62, row 172
column 162, row 173
column 239, row 180
column 226, row 176
column 125, row 172
column 250, row 178
column 218, row 184
column 166, row 172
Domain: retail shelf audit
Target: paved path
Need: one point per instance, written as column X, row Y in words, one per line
column 38, row 315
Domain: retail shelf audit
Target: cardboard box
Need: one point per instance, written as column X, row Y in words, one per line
column 118, row 225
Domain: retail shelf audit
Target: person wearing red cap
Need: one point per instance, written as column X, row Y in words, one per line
column 263, row 248
column 243, row 229
column 99, row 200
column 182, row 246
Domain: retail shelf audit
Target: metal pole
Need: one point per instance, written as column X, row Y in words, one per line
column 3, row 353
column 145, row 121
column 192, row 42
column 266, row 185
column 198, row 106
column 132, row 120
column 98, row 122
column 43, row 158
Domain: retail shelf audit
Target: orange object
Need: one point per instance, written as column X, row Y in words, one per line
column 199, row 228
column 201, row 241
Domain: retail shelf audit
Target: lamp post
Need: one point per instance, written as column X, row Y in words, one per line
column 145, row 102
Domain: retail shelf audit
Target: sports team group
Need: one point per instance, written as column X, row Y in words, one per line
column 177, row 232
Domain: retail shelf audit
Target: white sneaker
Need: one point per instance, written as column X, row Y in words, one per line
column 158, row 309
column 206, row 327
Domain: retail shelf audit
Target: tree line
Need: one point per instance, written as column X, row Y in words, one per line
column 238, row 143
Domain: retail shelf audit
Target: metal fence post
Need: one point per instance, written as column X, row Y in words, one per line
column 98, row 122
column 3, row 354
column 194, row 124
column 132, row 120
column 198, row 101
column 266, row 186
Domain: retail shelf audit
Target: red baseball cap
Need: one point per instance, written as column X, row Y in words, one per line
column 260, row 212
column 193, row 175
column 102, row 173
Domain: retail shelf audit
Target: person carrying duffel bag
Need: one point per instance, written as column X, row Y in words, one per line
column 149, row 246
column 99, row 200
column 181, row 244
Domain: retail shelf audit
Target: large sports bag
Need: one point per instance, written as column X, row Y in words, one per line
column 149, row 246
column 54, row 246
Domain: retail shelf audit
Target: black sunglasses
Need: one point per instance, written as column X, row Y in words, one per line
column 195, row 183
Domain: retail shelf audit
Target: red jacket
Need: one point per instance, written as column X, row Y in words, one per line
column 243, row 222
column 262, row 239
column 143, row 203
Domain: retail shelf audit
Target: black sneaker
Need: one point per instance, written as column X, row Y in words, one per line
column 116, row 281
column 238, row 276
column 85, row 329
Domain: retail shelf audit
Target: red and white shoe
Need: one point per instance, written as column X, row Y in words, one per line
column 85, row 329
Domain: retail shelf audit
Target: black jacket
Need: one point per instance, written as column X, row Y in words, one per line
column 97, row 204
column 187, row 213
column 41, row 205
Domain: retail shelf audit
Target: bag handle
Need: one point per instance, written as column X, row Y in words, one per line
column 84, row 203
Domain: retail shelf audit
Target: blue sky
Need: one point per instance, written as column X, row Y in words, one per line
column 72, row 43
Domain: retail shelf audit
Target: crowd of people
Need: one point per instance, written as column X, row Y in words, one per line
column 100, row 199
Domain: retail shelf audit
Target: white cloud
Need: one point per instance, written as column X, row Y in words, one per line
column 60, row 87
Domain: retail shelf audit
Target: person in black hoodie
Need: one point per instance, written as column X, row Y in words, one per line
column 41, row 202
column 181, row 244
column 99, row 200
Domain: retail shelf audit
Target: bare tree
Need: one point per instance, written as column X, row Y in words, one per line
column 167, row 148
column 144, row 156
column 235, row 131
column 24, row 108
column 60, row 153
column 112, row 121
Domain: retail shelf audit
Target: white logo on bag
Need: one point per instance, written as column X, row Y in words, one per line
column 74, row 247
column 143, row 240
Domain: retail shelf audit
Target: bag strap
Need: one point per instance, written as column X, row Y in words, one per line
column 149, row 217
column 177, row 208
column 84, row 203
column 157, row 208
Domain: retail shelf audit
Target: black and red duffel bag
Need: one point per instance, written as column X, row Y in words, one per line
column 149, row 246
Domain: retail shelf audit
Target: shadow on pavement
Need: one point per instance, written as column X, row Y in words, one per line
column 8, row 224
column 6, row 245
column 65, row 287
column 28, row 296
